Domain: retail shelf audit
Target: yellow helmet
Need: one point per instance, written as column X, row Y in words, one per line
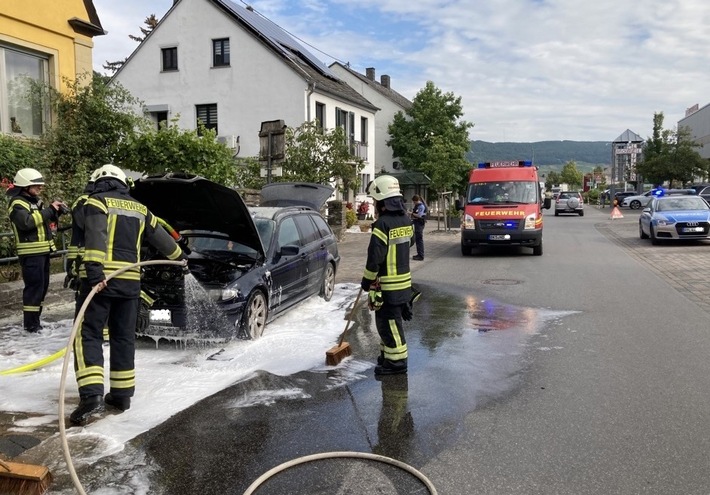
column 26, row 177
column 383, row 187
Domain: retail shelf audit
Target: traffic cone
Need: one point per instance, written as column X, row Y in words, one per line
column 615, row 213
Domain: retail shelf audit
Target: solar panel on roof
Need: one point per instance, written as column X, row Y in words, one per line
column 278, row 37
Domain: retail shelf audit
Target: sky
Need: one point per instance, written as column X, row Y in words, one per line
column 526, row 70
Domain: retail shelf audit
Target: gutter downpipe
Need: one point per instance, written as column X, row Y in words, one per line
column 311, row 89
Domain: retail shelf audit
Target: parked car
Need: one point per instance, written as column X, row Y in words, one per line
column 569, row 202
column 637, row 201
column 673, row 217
column 254, row 263
column 620, row 195
column 702, row 190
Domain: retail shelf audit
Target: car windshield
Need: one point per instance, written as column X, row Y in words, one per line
column 568, row 195
column 519, row 192
column 671, row 204
column 211, row 243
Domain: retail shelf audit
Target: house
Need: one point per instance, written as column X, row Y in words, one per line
column 232, row 69
column 389, row 101
column 43, row 41
column 697, row 122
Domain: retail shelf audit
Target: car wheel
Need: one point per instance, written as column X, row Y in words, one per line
column 537, row 250
column 465, row 250
column 572, row 203
column 254, row 318
column 557, row 213
column 328, row 285
column 642, row 234
column 654, row 240
column 581, row 213
column 635, row 204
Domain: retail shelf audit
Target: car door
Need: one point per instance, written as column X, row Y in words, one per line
column 287, row 265
column 315, row 252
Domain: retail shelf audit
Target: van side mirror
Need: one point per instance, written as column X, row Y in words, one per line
column 458, row 204
column 547, row 204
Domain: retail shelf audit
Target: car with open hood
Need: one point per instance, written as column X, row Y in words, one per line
column 247, row 264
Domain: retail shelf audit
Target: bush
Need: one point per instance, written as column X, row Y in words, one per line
column 350, row 218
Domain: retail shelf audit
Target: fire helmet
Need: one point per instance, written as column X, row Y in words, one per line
column 383, row 187
column 26, row 177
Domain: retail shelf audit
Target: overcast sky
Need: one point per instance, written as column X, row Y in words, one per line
column 526, row 70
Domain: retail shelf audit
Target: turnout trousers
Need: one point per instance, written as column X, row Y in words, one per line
column 35, row 272
column 120, row 314
column 388, row 319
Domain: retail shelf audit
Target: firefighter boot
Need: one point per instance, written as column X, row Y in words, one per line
column 391, row 367
column 88, row 406
column 120, row 403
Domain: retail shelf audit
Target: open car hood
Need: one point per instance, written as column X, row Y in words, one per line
column 191, row 202
column 295, row 194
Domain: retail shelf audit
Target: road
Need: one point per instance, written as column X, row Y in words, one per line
column 583, row 371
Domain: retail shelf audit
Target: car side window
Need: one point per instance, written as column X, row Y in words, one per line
column 322, row 226
column 308, row 229
column 288, row 233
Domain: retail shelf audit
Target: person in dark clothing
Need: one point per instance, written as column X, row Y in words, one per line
column 75, row 251
column 115, row 225
column 34, row 240
column 387, row 278
column 419, row 220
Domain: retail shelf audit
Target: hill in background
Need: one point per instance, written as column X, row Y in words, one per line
column 548, row 155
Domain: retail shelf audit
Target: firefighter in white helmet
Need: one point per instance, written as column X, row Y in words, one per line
column 34, row 240
column 387, row 278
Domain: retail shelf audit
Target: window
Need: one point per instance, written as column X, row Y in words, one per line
column 320, row 115
column 308, row 229
column 322, row 226
column 161, row 118
column 288, row 234
column 170, row 58
column 346, row 120
column 20, row 112
column 364, row 182
column 207, row 116
column 363, row 130
column 220, row 52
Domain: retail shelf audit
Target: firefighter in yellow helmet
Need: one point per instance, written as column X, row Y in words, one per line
column 33, row 240
column 387, row 278
column 115, row 225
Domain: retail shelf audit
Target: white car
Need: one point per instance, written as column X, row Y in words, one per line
column 639, row 201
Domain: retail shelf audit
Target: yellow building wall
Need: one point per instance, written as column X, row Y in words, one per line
column 42, row 26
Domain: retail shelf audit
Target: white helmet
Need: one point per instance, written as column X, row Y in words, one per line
column 94, row 175
column 26, row 177
column 111, row 172
column 383, row 187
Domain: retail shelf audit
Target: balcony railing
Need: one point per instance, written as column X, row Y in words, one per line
column 358, row 149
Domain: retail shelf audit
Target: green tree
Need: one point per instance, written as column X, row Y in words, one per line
column 598, row 171
column 171, row 149
column 319, row 156
column 670, row 156
column 553, row 178
column 570, row 175
column 430, row 138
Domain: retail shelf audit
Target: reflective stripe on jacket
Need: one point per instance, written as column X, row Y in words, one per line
column 30, row 224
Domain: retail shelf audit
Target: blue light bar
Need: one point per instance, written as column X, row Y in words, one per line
column 506, row 164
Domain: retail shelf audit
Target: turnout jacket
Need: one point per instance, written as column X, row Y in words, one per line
column 75, row 251
column 30, row 223
column 115, row 225
column 388, row 257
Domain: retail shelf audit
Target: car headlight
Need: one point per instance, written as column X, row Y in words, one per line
column 468, row 222
column 531, row 222
column 230, row 293
column 663, row 222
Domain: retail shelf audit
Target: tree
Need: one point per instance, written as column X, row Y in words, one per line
column 670, row 156
column 570, row 175
column 171, row 149
column 430, row 138
column 150, row 22
column 320, row 156
column 553, row 179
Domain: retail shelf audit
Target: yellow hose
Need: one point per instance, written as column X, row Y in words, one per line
column 37, row 364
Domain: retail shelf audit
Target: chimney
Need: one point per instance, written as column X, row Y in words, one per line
column 370, row 73
column 385, row 81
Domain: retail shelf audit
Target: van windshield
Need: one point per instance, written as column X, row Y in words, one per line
column 503, row 192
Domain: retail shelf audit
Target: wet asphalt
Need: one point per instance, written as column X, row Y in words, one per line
column 218, row 447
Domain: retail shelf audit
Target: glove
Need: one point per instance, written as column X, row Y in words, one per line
column 374, row 298
column 365, row 284
column 407, row 312
column 182, row 242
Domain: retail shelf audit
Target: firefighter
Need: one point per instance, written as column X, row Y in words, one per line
column 115, row 225
column 33, row 240
column 387, row 278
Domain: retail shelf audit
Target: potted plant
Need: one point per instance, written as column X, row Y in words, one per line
column 453, row 217
column 362, row 210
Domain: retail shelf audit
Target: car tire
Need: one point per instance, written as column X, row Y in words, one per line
column 254, row 318
column 581, row 213
column 635, row 204
column 557, row 213
column 654, row 240
column 642, row 234
column 572, row 203
column 327, row 287
column 537, row 250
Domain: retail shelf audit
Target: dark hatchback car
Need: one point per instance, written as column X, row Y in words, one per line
column 251, row 263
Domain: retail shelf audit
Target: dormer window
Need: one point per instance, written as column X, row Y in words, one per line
column 220, row 52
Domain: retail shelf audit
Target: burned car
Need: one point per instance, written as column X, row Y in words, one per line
column 251, row 263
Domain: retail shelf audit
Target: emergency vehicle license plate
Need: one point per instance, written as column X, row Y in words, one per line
column 693, row 229
column 499, row 237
